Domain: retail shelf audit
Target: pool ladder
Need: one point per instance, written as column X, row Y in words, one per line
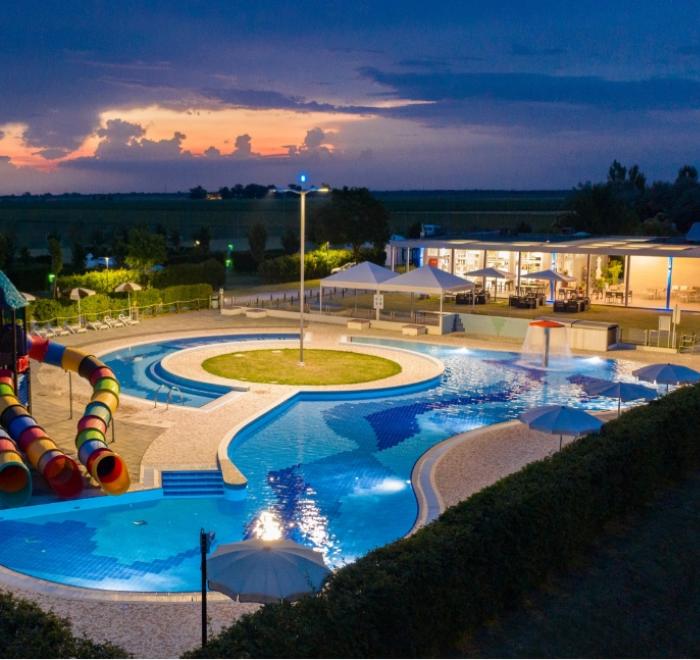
column 168, row 398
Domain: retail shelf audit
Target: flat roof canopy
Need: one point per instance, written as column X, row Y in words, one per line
column 602, row 245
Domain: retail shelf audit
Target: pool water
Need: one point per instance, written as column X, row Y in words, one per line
column 141, row 374
column 333, row 473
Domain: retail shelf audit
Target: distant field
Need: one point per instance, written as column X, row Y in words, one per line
column 32, row 219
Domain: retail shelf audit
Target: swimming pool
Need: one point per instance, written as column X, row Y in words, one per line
column 333, row 472
column 141, row 374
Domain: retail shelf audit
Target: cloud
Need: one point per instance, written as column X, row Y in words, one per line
column 243, row 147
column 212, row 152
column 126, row 141
column 617, row 95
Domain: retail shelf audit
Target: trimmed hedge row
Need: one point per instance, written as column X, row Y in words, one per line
column 318, row 263
column 418, row 596
column 211, row 271
column 29, row 632
column 92, row 307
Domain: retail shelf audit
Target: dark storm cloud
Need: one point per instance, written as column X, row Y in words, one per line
column 640, row 95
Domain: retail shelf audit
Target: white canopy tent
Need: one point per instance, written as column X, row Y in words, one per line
column 365, row 275
column 430, row 280
column 551, row 276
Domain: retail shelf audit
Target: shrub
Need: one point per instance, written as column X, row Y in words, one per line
column 101, row 281
column 29, row 632
column 211, row 271
column 318, row 263
column 184, row 292
column 418, row 596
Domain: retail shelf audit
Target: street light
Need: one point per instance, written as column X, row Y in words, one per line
column 302, row 192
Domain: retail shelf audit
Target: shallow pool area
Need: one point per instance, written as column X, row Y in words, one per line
column 141, row 373
column 330, row 470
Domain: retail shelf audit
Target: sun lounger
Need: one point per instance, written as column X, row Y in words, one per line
column 58, row 332
column 113, row 323
column 40, row 332
column 97, row 325
column 75, row 328
column 127, row 320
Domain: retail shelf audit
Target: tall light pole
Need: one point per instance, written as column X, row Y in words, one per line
column 302, row 192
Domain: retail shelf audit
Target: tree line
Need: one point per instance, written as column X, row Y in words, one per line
column 626, row 204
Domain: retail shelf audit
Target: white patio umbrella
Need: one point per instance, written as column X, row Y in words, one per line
column 560, row 420
column 260, row 571
column 78, row 294
column 620, row 391
column 489, row 272
column 551, row 276
column 128, row 288
column 667, row 374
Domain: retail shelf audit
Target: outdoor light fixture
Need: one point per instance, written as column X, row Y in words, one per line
column 302, row 192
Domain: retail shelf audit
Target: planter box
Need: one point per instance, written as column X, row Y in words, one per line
column 256, row 313
column 414, row 330
column 358, row 324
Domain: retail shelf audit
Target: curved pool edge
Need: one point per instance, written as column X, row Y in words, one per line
column 430, row 501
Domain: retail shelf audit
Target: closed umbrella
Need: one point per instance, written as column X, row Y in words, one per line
column 129, row 288
column 78, row 294
column 667, row 374
column 620, row 391
column 261, row 571
column 560, row 420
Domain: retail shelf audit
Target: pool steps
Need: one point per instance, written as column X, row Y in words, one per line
column 192, row 483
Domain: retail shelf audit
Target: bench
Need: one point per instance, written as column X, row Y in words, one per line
column 358, row 324
column 413, row 330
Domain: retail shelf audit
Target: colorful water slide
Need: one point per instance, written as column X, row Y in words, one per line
column 105, row 466
column 15, row 478
column 60, row 471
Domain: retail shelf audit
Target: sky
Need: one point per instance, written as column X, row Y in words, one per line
column 104, row 96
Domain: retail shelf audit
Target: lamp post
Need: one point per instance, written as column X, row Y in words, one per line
column 302, row 192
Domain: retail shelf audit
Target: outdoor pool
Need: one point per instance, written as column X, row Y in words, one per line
column 332, row 471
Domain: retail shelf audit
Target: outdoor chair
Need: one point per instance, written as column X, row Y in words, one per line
column 126, row 320
column 97, row 325
column 57, row 331
column 40, row 332
column 74, row 329
column 113, row 323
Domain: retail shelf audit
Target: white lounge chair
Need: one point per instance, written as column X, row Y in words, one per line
column 128, row 321
column 97, row 325
column 75, row 328
column 58, row 331
column 113, row 323
column 39, row 331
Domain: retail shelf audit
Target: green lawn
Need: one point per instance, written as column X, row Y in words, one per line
column 321, row 367
column 636, row 595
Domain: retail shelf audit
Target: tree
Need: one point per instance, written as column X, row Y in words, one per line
column 616, row 173
column 352, row 216
column 144, row 250
column 56, row 254
column 290, row 241
column 78, row 256
column 687, row 173
column 7, row 250
column 202, row 240
column 174, row 238
column 257, row 240
column 198, row 193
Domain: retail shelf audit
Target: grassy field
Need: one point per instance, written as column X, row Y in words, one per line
column 321, row 367
column 636, row 595
column 229, row 220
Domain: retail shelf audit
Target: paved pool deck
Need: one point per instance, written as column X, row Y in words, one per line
column 151, row 439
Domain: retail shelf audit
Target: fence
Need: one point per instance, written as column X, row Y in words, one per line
column 136, row 311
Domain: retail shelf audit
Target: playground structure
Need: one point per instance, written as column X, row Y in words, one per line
column 23, row 440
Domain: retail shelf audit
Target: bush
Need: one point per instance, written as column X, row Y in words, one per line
column 29, row 632
column 101, row 281
column 318, row 263
column 211, row 271
column 418, row 596
column 184, row 292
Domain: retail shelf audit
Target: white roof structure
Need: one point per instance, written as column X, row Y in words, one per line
column 496, row 273
column 365, row 275
column 427, row 279
column 642, row 246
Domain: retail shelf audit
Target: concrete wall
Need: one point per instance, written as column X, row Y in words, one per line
column 494, row 326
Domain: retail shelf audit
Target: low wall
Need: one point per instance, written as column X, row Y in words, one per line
column 494, row 326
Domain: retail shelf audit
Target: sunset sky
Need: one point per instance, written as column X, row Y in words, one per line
column 153, row 96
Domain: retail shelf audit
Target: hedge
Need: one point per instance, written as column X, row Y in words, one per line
column 92, row 307
column 418, row 596
column 101, row 281
column 29, row 632
column 211, row 271
column 318, row 263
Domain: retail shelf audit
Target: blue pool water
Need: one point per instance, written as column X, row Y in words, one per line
column 333, row 473
column 141, row 374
